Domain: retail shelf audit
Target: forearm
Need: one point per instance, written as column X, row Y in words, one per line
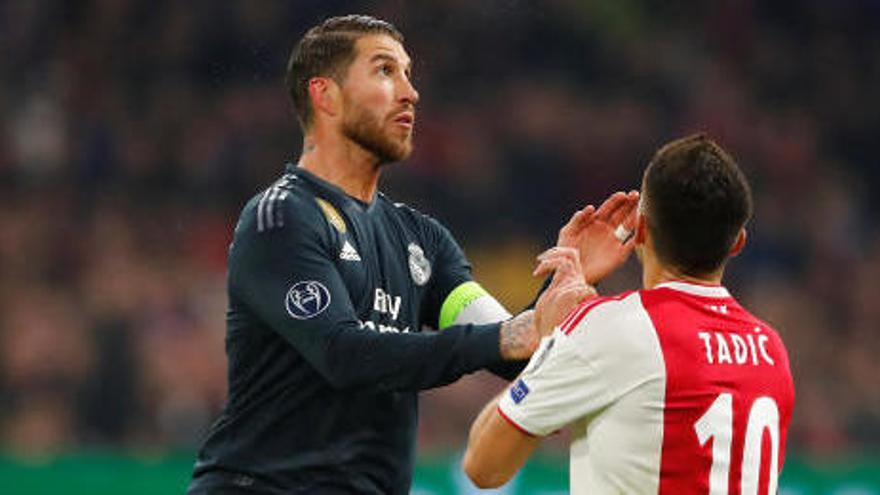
column 408, row 361
column 420, row 361
column 496, row 450
column 478, row 427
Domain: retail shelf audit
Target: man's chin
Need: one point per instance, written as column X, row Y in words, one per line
column 394, row 154
column 386, row 149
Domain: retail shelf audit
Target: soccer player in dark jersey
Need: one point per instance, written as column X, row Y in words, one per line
column 331, row 284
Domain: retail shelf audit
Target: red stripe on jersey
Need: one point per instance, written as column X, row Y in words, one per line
column 584, row 308
column 576, row 312
column 514, row 423
column 715, row 374
column 571, row 315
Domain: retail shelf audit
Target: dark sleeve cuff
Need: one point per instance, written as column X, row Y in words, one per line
column 491, row 348
column 485, row 347
column 507, row 370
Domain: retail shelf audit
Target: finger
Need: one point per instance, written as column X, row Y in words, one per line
column 629, row 222
column 571, row 222
column 585, row 214
column 559, row 251
column 610, row 205
column 577, row 222
column 567, row 272
column 559, row 264
column 626, row 210
column 543, row 268
column 564, row 262
column 629, row 214
column 629, row 245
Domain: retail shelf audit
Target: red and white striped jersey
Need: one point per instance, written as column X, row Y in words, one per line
column 672, row 390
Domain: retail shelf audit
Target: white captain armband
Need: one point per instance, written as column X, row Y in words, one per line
column 469, row 303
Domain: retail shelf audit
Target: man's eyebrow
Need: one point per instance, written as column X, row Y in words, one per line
column 389, row 58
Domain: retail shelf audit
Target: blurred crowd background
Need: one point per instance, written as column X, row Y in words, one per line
column 132, row 132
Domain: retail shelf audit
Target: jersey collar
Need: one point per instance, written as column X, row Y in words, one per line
column 327, row 188
column 716, row 291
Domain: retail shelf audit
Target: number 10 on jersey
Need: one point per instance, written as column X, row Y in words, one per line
column 717, row 424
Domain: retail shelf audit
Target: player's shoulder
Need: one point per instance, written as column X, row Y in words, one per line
column 430, row 227
column 601, row 312
column 284, row 205
column 614, row 333
column 403, row 210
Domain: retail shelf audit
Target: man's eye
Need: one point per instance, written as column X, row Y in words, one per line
column 387, row 70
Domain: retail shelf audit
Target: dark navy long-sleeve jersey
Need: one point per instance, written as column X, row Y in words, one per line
column 328, row 297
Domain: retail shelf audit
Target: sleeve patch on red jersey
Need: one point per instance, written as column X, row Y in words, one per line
column 519, row 391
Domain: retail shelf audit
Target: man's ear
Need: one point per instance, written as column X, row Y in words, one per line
column 739, row 244
column 325, row 96
column 641, row 228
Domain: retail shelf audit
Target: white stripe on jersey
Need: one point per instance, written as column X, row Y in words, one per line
column 260, row 207
column 697, row 290
column 270, row 213
column 270, row 207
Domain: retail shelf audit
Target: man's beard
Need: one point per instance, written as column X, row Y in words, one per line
column 366, row 130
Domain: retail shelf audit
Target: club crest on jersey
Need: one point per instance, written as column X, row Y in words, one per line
column 419, row 266
column 332, row 215
column 306, row 299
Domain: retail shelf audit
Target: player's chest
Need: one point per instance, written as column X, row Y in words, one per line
column 386, row 269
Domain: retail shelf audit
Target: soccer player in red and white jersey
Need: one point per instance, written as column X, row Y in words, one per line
column 672, row 389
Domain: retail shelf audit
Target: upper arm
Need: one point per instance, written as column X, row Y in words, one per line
column 449, row 267
column 576, row 374
column 453, row 297
column 287, row 278
column 571, row 376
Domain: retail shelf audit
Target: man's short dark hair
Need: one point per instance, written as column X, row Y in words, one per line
column 327, row 50
column 696, row 201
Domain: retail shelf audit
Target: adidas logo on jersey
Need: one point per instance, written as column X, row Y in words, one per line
column 348, row 253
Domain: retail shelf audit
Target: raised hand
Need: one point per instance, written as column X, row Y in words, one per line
column 604, row 237
column 566, row 290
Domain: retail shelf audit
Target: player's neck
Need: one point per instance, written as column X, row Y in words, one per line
column 343, row 164
column 656, row 273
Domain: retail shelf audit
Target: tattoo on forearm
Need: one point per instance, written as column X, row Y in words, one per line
column 517, row 336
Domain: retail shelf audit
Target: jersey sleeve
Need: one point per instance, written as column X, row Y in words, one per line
column 450, row 268
column 455, row 298
column 581, row 370
column 288, row 278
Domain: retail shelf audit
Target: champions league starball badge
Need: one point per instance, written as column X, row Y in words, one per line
column 419, row 266
column 306, row 299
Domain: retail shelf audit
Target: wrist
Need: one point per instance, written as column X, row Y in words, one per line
column 517, row 339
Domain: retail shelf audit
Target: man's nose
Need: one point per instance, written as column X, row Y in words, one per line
column 409, row 93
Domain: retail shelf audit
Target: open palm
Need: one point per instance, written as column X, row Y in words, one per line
column 593, row 233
